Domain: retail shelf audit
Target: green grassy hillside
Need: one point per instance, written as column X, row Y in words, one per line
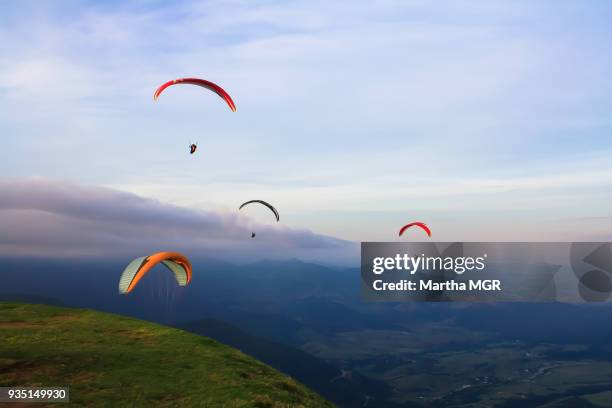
column 115, row 361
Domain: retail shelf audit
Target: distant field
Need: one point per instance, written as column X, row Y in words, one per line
column 468, row 369
column 114, row 361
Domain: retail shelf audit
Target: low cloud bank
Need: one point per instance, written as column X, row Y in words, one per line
column 42, row 217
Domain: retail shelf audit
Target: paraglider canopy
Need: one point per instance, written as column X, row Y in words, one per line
column 268, row 205
column 139, row 267
column 262, row 203
column 199, row 82
column 422, row 225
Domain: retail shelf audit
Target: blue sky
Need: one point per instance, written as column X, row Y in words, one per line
column 489, row 120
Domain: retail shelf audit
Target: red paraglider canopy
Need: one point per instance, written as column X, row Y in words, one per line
column 416, row 224
column 199, row 82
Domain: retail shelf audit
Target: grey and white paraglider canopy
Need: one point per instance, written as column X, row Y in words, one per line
column 268, row 205
column 262, row 203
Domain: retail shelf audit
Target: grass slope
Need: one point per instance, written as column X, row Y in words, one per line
column 115, row 361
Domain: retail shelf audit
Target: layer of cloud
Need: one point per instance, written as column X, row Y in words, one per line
column 42, row 217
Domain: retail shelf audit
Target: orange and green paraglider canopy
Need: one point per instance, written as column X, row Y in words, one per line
column 139, row 267
column 199, row 82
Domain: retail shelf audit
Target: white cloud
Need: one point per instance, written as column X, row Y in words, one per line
column 43, row 217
